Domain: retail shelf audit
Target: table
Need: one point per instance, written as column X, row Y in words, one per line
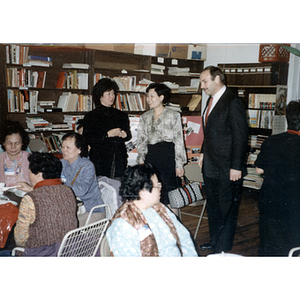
column 10, row 243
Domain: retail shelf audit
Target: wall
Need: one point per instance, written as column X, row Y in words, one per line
column 230, row 53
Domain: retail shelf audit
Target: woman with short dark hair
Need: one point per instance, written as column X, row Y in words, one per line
column 48, row 210
column 143, row 226
column 106, row 129
column 160, row 138
column 78, row 172
column 14, row 160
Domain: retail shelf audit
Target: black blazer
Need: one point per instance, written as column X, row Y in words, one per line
column 225, row 137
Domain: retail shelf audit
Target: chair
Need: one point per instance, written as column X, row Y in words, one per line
column 193, row 173
column 83, row 241
column 293, row 250
column 109, row 195
column 107, row 209
column 104, row 247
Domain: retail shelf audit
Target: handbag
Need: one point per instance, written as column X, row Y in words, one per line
column 187, row 194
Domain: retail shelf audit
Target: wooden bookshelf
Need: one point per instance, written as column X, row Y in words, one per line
column 107, row 63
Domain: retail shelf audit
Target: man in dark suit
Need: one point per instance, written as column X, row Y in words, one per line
column 222, row 158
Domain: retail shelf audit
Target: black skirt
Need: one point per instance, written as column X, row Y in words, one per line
column 162, row 157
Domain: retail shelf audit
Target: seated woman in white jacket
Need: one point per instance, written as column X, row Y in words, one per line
column 143, row 226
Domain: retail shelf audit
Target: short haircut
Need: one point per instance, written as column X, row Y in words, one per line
column 293, row 115
column 161, row 89
column 135, row 179
column 102, row 86
column 79, row 124
column 214, row 72
column 46, row 163
column 14, row 127
column 79, row 142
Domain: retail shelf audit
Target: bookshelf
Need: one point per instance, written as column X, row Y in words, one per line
column 183, row 74
column 73, row 63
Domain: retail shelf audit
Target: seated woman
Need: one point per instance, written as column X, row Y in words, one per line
column 143, row 226
column 79, row 174
column 14, row 160
column 47, row 212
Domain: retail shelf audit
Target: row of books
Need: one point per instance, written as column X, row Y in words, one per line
column 259, row 100
column 25, row 78
column 255, row 141
column 22, row 101
column 37, row 123
column 18, row 54
column 261, row 118
column 72, row 80
column 71, row 120
column 75, row 102
column 253, row 180
column 126, row 83
column 130, row 102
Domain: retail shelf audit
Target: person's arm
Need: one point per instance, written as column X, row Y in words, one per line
column 125, row 130
column 142, row 141
column 239, row 131
column 123, row 239
column 180, row 152
column 187, row 245
column 84, row 180
column 25, row 218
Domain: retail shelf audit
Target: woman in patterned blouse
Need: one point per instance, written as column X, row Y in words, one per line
column 160, row 138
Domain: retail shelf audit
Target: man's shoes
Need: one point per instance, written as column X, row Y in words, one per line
column 207, row 246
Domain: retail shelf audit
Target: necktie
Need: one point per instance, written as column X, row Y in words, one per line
column 208, row 109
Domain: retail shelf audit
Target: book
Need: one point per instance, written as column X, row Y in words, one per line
column 49, row 109
column 63, row 101
column 37, row 57
column 61, row 80
column 76, row 66
column 41, row 79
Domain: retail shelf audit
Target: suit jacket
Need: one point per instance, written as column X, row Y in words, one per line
column 225, row 137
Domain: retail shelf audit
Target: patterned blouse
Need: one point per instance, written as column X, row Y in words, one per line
column 167, row 128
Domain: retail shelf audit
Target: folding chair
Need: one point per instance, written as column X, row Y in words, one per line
column 109, row 195
column 107, row 210
column 83, row 241
column 293, row 250
column 193, row 173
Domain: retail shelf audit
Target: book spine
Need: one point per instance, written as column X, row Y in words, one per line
column 41, row 58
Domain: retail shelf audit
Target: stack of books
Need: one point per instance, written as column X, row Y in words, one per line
column 37, row 123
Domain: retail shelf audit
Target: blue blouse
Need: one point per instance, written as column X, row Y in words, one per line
column 124, row 239
column 85, row 186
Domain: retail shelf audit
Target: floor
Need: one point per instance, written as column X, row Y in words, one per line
column 246, row 239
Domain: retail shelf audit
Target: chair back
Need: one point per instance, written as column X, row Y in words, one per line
column 83, row 241
column 193, row 172
column 109, row 196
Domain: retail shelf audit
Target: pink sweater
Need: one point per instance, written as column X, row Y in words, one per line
column 13, row 171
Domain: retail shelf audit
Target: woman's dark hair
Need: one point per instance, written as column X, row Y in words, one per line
column 79, row 142
column 11, row 127
column 79, row 124
column 46, row 163
column 293, row 115
column 161, row 89
column 214, row 72
column 102, row 86
column 135, row 179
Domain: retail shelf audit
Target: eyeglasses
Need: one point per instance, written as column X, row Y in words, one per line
column 159, row 185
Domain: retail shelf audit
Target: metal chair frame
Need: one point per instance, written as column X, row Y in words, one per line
column 83, row 241
column 194, row 176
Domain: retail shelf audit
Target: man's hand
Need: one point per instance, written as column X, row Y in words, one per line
column 235, row 175
column 200, row 161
